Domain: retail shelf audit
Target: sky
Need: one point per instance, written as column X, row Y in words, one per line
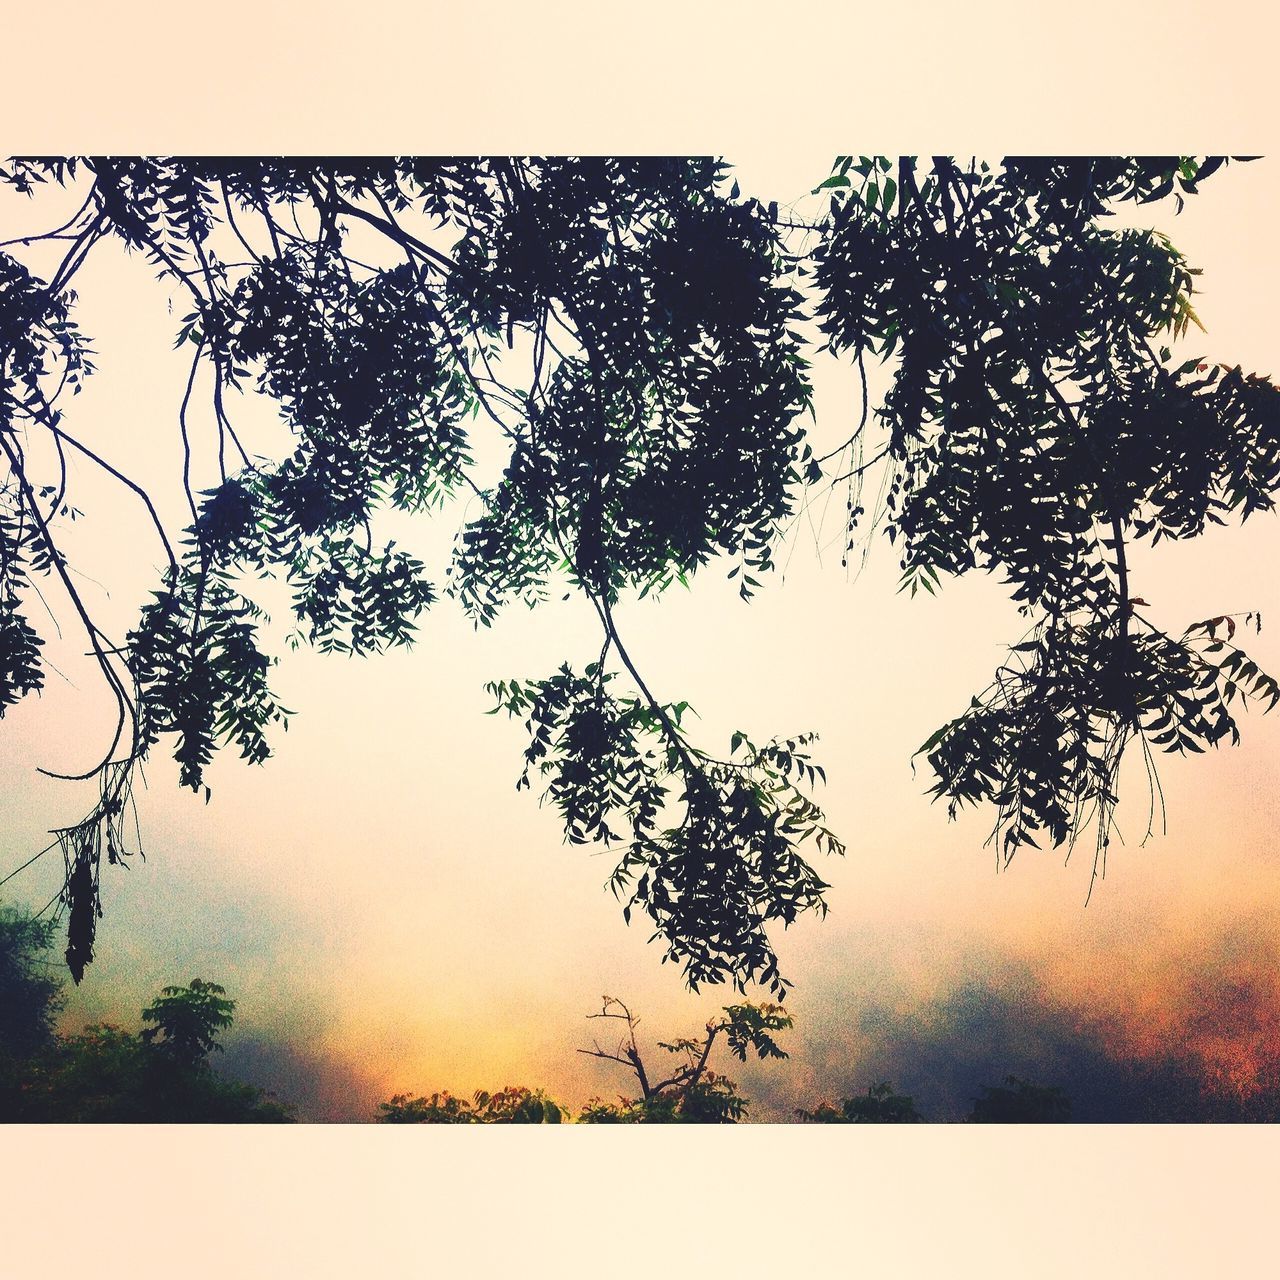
column 392, row 916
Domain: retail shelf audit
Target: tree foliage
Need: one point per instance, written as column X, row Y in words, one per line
column 631, row 333
column 105, row 1074
column 185, row 1021
column 1018, row 1101
column 732, row 863
column 108, row 1075
column 879, row 1105
column 30, row 991
column 1014, row 1101
column 513, row 1105
column 1033, row 429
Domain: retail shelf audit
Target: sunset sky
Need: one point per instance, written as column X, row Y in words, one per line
column 392, row 916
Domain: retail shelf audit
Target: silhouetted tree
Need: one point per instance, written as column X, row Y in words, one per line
column 30, row 991
column 879, row 1105
column 1020, row 1102
column 688, row 1092
column 186, row 1021
column 629, row 330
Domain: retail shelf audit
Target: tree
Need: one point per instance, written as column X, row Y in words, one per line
column 105, row 1074
column 631, row 331
column 1020, row 1102
column 30, row 991
column 688, row 1093
column 879, row 1105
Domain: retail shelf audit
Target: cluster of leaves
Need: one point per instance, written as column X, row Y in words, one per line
column 1031, row 429
column 201, row 674
column 879, row 1105
column 627, row 330
column 1046, row 739
column 709, row 848
column 38, row 342
column 713, row 1099
column 20, row 669
column 665, row 434
column 513, row 1105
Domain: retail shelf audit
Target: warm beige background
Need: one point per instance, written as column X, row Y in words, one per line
column 329, row 1196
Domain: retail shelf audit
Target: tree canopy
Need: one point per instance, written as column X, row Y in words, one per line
column 685, row 1090
column 879, row 1105
column 635, row 336
column 514, row 1105
column 103, row 1073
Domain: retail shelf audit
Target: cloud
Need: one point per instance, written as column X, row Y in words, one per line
column 1194, row 1041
